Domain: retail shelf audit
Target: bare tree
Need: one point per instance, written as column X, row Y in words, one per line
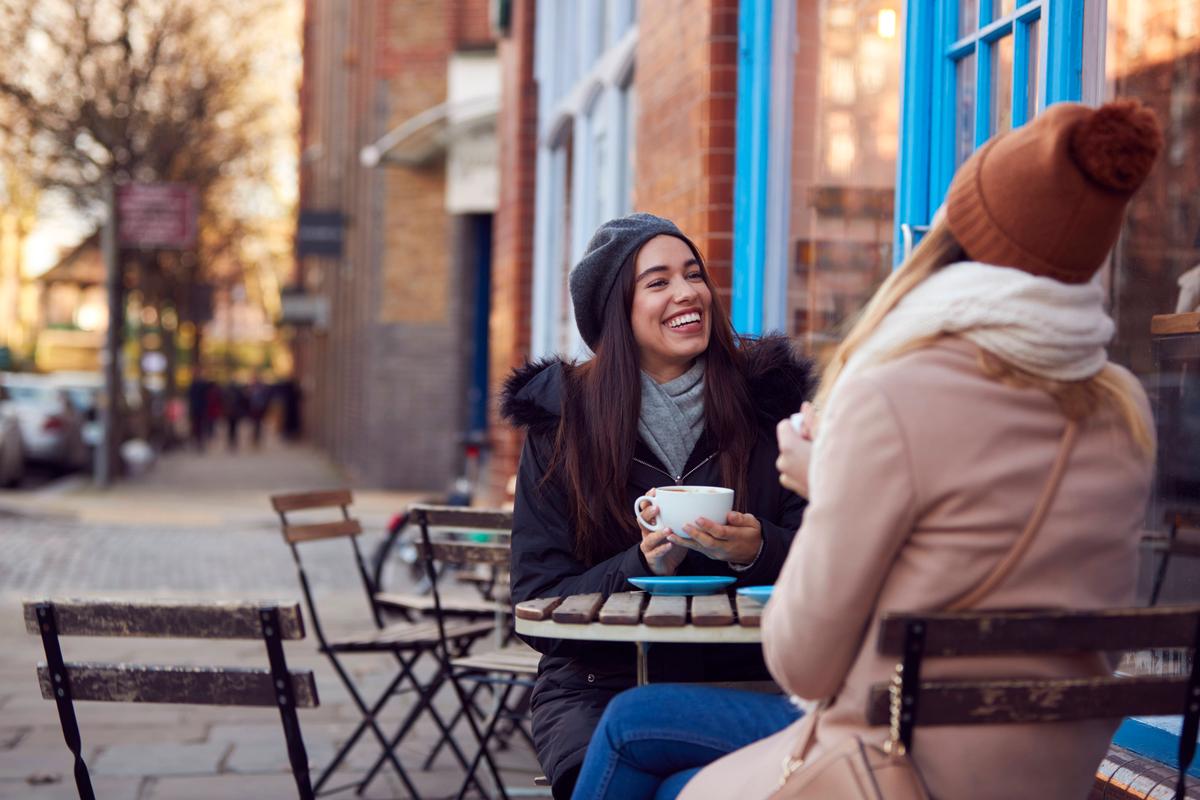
column 145, row 90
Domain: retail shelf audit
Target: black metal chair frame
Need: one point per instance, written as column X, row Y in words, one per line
column 486, row 520
column 269, row 619
column 406, row 654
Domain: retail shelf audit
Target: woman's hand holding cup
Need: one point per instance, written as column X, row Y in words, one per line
column 661, row 555
column 738, row 541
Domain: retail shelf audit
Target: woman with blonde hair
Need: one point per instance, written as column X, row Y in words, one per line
column 977, row 367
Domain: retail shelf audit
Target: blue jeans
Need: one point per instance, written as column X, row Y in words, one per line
column 653, row 739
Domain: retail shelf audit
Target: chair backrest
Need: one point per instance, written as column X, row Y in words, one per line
column 343, row 526
column 340, row 499
column 64, row 682
column 909, row 701
column 459, row 519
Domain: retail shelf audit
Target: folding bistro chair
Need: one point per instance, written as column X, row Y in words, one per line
column 406, row 641
column 506, row 670
column 66, row 682
column 909, row 700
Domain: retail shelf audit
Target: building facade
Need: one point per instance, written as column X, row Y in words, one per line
column 398, row 189
column 806, row 145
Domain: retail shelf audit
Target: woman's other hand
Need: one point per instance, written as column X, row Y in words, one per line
column 795, row 452
column 738, row 541
column 804, row 421
column 661, row 555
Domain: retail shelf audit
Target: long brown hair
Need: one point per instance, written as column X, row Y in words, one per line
column 602, row 398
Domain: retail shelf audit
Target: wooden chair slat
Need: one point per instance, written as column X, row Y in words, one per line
column 1187, row 548
column 537, row 609
column 423, row 603
column 623, row 608
column 713, row 610
column 482, row 519
column 322, row 530
column 1006, row 632
column 300, row 501
column 468, row 553
column 180, row 620
column 665, row 611
column 578, row 608
column 1014, row 701
column 218, row 686
column 749, row 612
column 425, row 633
column 517, row 659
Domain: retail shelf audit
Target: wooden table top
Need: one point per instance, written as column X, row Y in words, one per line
column 641, row 617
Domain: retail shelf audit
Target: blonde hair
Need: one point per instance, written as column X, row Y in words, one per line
column 1077, row 399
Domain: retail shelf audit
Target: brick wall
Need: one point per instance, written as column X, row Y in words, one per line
column 512, row 256
column 470, row 26
column 686, row 84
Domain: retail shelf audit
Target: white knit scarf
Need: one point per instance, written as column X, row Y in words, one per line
column 1048, row 328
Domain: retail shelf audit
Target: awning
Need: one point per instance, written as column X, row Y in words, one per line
column 429, row 133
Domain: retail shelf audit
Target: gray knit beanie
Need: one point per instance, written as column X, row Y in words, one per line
column 593, row 278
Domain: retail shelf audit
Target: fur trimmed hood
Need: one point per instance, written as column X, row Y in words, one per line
column 779, row 381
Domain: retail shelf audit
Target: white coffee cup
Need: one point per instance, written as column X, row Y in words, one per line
column 683, row 505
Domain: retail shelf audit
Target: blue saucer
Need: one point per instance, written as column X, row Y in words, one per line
column 682, row 585
column 760, row 593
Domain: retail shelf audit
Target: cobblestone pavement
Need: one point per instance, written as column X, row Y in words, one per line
column 156, row 752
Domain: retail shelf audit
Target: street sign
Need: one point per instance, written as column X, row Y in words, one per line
column 302, row 309
column 157, row 215
column 319, row 233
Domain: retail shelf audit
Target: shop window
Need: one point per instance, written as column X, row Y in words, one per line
column 1153, row 54
column 975, row 69
column 846, row 89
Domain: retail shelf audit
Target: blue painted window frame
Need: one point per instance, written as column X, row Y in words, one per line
column 932, row 50
column 751, row 162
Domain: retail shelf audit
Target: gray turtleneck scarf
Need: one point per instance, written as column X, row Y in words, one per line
column 672, row 416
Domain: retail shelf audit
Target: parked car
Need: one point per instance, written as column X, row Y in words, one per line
column 12, row 447
column 51, row 428
column 84, row 390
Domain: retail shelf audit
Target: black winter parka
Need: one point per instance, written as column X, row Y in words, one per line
column 577, row 679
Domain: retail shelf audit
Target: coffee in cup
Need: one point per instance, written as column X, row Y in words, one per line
column 683, row 505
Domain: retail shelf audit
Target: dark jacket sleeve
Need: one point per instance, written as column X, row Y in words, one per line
column 543, row 559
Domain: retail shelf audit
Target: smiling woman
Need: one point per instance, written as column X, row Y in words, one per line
column 671, row 396
column 670, row 313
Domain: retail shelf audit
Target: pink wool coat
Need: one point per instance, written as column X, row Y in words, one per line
column 930, row 474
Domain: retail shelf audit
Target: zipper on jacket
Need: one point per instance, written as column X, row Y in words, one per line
column 679, row 479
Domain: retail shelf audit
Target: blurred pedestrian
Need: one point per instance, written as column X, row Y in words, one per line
column 197, row 402
column 258, row 399
column 213, row 406
column 235, row 409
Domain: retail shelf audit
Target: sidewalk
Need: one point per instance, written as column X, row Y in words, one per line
column 217, row 488
column 198, row 526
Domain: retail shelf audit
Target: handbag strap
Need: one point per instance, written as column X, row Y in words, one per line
column 1017, row 551
column 985, row 586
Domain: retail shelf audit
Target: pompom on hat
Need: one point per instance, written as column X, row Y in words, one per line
column 1049, row 197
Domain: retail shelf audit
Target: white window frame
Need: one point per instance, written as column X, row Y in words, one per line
column 573, row 106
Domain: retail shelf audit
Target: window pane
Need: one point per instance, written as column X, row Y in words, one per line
column 968, row 17
column 1002, row 85
column 964, row 110
column 1034, row 77
column 846, row 110
column 1152, row 55
column 1002, row 7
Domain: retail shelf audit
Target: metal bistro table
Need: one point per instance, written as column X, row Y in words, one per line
column 643, row 619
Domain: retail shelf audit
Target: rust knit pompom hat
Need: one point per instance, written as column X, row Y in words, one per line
column 1049, row 198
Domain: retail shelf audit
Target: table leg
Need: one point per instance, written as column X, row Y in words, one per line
column 642, row 677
